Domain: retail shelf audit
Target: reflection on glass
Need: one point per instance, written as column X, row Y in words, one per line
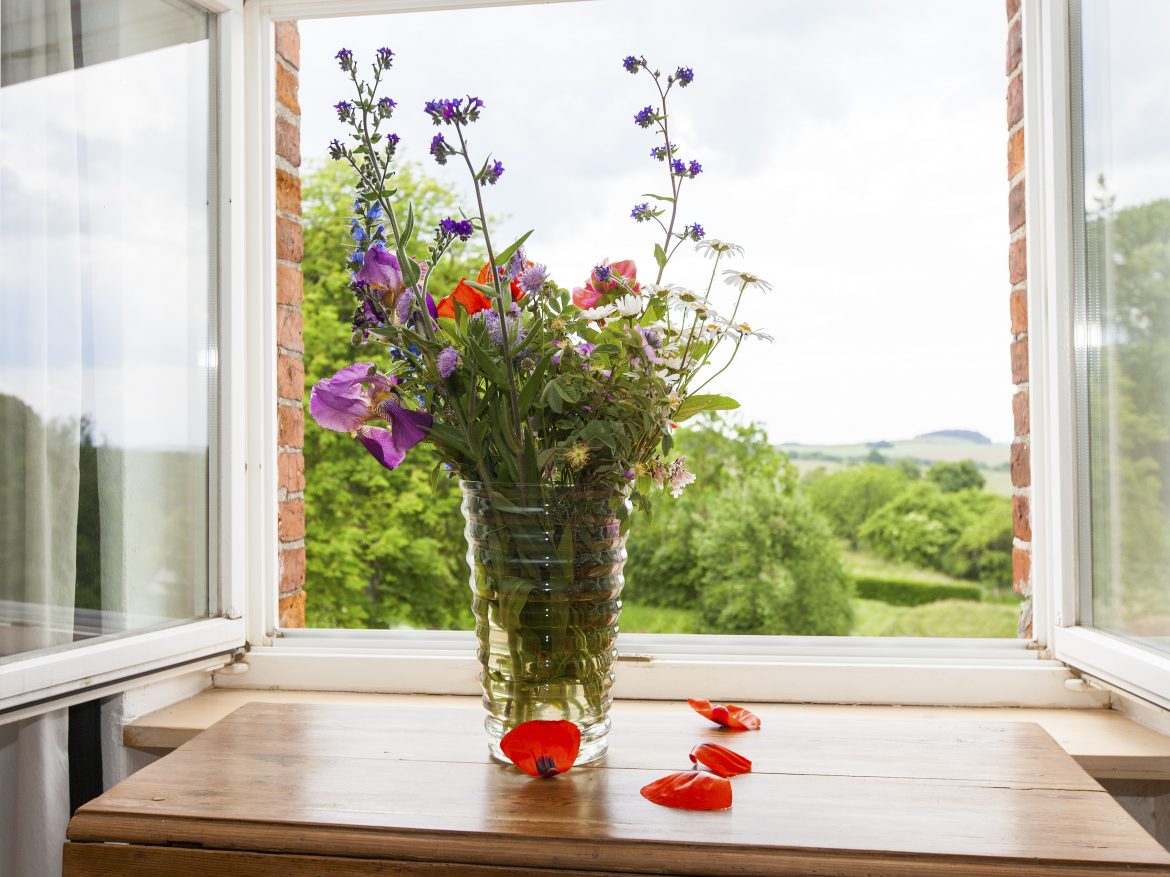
column 104, row 318
column 1126, row 198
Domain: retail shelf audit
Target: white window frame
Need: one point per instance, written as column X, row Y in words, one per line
column 46, row 680
column 806, row 669
column 1052, row 280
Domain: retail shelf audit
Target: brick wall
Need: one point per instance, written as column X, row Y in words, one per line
column 1018, row 309
column 290, row 369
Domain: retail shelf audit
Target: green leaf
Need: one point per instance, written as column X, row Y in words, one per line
column 486, row 290
column 693, row 405
column 410, row 270
column 659, row 255
column 408, row 227
column 657, row 197
column 502, row 258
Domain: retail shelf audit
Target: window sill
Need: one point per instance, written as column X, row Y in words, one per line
column 1106, row 744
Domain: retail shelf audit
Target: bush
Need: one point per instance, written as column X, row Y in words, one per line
column 920, row 526
column 849, row 497
column 984, row 551
column 769, row 564
column 907, row 592
column 953, row 477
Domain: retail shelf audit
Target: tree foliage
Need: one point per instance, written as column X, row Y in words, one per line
column 848, row 498
column 953, row 477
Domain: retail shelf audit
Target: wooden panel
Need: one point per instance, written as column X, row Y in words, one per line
column 416, row 784
column 1105, row 743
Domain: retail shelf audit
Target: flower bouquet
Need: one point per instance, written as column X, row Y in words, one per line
column 553, row 408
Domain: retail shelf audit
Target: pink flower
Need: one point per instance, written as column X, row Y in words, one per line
column 607, row 280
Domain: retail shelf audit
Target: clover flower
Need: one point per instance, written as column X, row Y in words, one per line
column 631, row 64
column 460, row 228
column 345, row 59
column 384, row 57
column 344, row 110
column 642, row 212
column 447, row 361
column 645, row 118
column 684, row 76
column 745, row 279
column 533, row 278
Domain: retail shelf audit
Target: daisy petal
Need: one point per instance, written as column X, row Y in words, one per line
column 727, row 715
column 690, row 790
column 720, row 759
column 542, row 748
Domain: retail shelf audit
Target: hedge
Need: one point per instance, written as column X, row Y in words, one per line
column 907, row 592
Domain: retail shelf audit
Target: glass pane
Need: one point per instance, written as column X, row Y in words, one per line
column 1126, row 308
column 872, row 196
column 104, row 318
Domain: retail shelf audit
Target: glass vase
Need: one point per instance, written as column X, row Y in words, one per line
column 546, row 579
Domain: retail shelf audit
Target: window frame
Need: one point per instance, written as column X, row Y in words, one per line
column 40, row 681
column 827, row 670
column 1061, row 520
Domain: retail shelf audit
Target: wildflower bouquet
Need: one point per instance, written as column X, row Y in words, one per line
column 552, row 406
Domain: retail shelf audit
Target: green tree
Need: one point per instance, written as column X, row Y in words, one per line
column 953, row 477
column 920, row 526
column 847, row 498
column 383, row 549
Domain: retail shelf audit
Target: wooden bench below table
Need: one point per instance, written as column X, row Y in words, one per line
column 290, row 789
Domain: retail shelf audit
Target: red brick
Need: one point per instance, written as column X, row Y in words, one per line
column 290, row 285
column 1015, row 99
column 288, row 331
column 286, row 88
column 1019, row 352
column 1013, row 8
column 1016, row 210
column 1021, row 568
column 1021, row 518
column 1018, row 301
column 292, row 569
column 290, row 467
column 290, row 241
column 288, row 42
column 288, row 141
column 290, row 426
column 290, row 377
column 1017, row 260
column 292, row 610
column 290, row 520
column 1015, row 46
column 1015, row 153
column 1021, row 415
column 288, row 192
column 1021, row 464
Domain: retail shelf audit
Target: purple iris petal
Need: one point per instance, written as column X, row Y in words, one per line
column 432, row 308
column 341, row 403
column 380, row 269
column 381, row 445
column 409, row 427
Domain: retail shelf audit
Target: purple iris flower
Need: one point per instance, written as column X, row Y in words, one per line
column 381, row 270
column 356, row 395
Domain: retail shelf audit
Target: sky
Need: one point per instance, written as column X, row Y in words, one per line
column 854, row 148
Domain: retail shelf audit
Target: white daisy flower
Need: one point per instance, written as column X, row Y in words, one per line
column 745, row 279
column 628, row 306
column 712, row 248
column 600, row 312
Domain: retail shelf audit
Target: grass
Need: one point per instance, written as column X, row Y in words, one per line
column 945, row 618
column 861, row 563
column 654, row 619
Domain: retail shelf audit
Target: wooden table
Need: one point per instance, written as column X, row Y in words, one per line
column 303, row 789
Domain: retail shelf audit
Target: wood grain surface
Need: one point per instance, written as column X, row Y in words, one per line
column 413, row 784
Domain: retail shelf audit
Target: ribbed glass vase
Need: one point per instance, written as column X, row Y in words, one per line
column 546, row 579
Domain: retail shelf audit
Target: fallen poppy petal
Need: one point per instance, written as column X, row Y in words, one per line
column 543, row 748
column 690, row 790
column 728, row 715
column 720, row 759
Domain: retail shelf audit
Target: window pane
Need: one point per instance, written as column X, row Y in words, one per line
column 871, row 196
column 1125, row 196
column 104, row 318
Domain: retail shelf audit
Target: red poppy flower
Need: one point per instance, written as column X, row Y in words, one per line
column 727, row 715
column 543, row 749
column 690, row 790
column 485, row 277
column 471, row 298
column 720, row 759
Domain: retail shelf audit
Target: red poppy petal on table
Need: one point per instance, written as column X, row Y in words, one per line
column 720, row 759
column 728, row 715
column 690, row 790
column 542, row 748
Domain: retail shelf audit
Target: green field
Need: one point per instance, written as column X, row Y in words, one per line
column 993, row 459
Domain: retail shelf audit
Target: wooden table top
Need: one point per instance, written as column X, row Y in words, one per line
column 273, row 787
